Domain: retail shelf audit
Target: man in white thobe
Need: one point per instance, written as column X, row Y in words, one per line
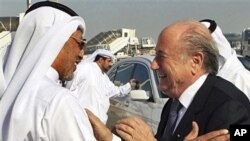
column 92, row 86
column 230, row 68
column 35, row 106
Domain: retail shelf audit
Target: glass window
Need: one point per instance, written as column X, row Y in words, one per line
column 123, row 74
column 142, row 76
column 112, row 74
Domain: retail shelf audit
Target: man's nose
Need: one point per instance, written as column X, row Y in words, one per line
column 80, row 56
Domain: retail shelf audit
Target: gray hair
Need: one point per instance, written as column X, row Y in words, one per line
column 196, row 38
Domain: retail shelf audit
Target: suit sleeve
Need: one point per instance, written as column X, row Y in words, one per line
column 231, row 112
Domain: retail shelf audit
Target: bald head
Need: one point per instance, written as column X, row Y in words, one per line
column 190, row 37
column 180, row 31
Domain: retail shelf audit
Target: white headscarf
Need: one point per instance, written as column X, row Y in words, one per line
column 39, row 38
column 230, row 68
column 31, row 30
column 101, row 52
column 225, row 49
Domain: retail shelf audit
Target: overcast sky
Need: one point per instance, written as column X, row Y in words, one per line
column 148, row 17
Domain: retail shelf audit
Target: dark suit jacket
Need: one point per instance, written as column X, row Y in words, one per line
column 216, row 105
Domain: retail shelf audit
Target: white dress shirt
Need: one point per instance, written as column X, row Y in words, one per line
column 187, row 96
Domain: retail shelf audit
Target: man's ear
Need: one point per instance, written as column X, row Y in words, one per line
column 100, row 60
column 197, row 62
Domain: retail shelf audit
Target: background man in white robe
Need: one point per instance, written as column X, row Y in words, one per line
column 92, row 86
column 35, row 106
column 230, row 67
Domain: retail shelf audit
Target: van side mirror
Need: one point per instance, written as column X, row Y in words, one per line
column 139, row 95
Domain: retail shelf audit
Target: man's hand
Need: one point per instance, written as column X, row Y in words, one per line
column 135, row 85
column 134, row 129
column 132, row 83
column 101, row 132
column 132, row 80
column 218, row 135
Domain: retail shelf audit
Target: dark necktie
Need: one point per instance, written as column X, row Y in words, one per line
column 172, row 118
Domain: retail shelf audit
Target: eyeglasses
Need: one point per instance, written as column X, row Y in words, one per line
column 82, row 42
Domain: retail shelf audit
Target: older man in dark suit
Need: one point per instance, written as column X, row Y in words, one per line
column 186, row 62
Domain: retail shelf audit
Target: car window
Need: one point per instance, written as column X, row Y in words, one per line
column 122, row 74
column 245, row 61
column 112, row 74
column 142, row 76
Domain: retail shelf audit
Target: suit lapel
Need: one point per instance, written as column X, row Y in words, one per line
column 164, row 118
column 194, row 109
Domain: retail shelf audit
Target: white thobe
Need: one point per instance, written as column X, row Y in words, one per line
column 233, row 71
column 230, row 68
column 48, row 112
column 34, row 106
column 93, row 88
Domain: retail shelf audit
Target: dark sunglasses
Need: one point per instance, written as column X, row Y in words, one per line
column 82, row 42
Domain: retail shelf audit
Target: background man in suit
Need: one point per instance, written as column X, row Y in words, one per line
column 186, row 62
